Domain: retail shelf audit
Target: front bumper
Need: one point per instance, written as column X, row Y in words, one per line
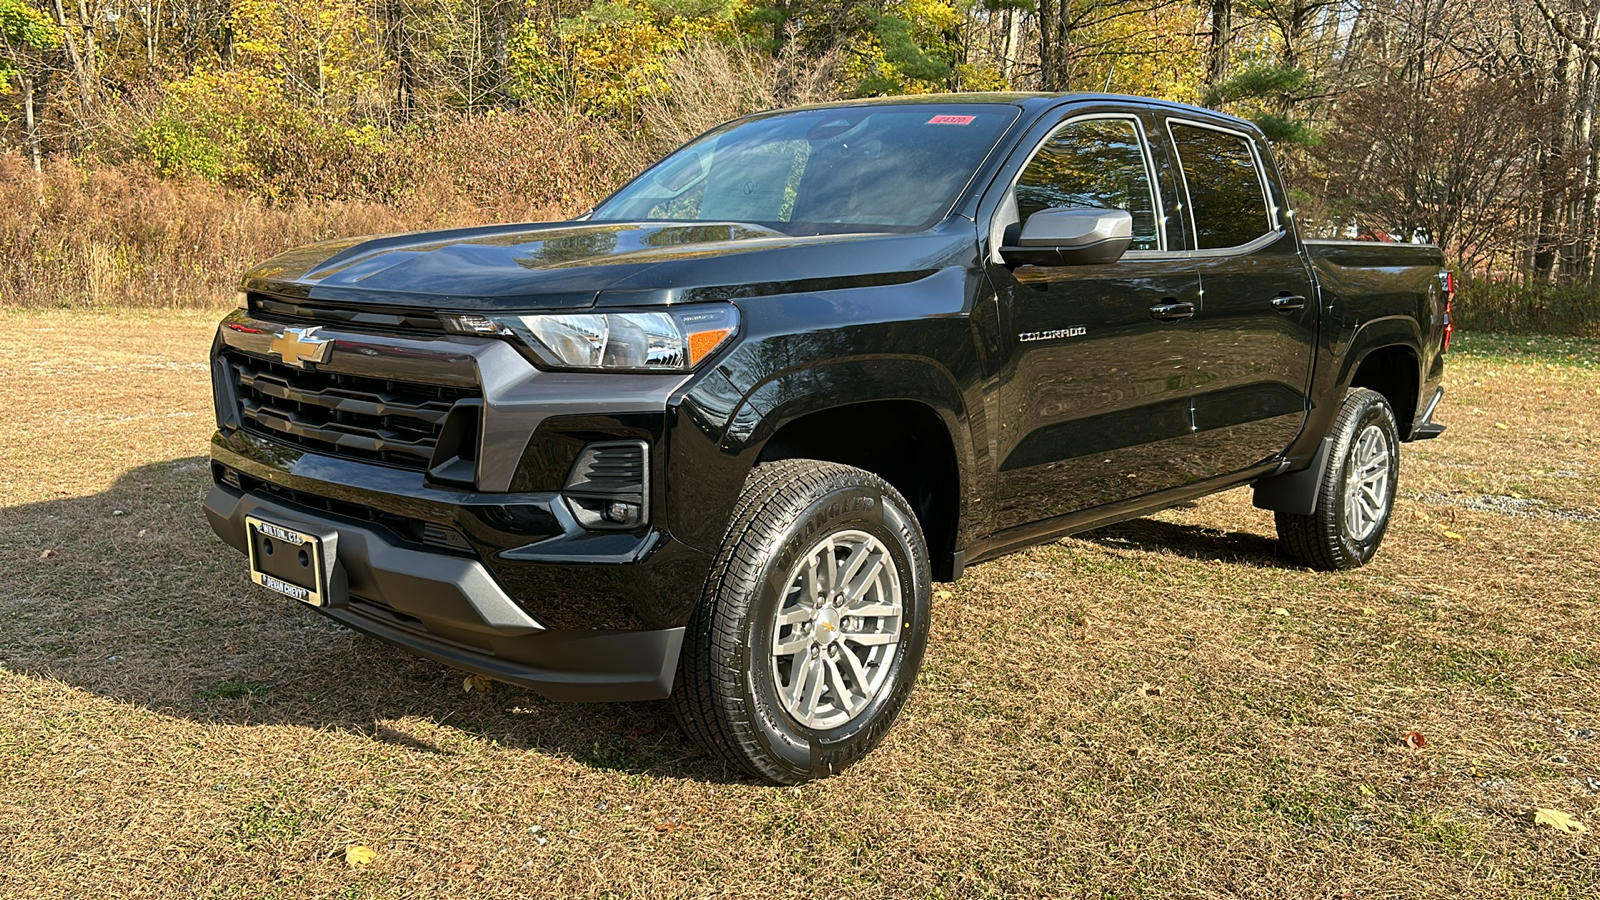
column 477, row 560
column 450, row 608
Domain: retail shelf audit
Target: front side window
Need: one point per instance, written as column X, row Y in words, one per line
column 1225, row 188
column 1092, row 164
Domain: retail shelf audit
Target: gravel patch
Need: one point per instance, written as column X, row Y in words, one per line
column 1526, row 507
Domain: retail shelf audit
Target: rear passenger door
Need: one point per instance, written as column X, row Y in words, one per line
column 1254, row 335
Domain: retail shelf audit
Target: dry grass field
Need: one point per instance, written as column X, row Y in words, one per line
column 1161, row 708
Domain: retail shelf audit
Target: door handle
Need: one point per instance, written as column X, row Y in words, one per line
column 1172, row 312
column 1288, row 302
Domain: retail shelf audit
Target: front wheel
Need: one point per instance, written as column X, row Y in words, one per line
column 812, row 626
column 1356, row 494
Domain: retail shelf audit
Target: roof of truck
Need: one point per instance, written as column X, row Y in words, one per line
column 1031, row 102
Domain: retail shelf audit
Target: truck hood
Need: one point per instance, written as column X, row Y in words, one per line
column 579, row 264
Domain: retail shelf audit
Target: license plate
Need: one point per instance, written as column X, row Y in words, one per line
column 287, row 560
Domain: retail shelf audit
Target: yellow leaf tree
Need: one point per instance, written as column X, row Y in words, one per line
column 611, row 55
column 324, row 51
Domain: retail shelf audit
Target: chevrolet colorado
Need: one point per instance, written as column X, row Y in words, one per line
column 716, row 438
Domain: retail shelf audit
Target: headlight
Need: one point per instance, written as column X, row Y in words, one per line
column 671, row 341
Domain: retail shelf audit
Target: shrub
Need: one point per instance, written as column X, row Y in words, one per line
column 105, row 235
column 523, row 164
column 710, row 81
column 1570, row 308
column 107, row 232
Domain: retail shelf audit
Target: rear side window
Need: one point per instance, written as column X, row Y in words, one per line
column 1225, row 188
column 1092, row 164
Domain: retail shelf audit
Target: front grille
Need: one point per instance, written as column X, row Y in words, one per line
column 372, row 419
column 370, row 317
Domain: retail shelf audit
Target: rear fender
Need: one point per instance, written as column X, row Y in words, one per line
column 1296, row 490
column 1378, row 334
column 1348, row 353
column 1406, row 386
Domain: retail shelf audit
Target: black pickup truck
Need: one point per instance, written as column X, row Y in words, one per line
column 716, row 438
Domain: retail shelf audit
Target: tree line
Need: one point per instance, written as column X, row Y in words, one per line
column 1466, row 124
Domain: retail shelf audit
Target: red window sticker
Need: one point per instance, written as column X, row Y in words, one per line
column 951, row 120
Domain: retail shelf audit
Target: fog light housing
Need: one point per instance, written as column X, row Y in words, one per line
column 608, row 488
column 621, row 512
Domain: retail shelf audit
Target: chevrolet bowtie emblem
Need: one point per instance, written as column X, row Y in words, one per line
column 299, row 346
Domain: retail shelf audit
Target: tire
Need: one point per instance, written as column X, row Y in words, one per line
column 1344, row 530
column 743, row 690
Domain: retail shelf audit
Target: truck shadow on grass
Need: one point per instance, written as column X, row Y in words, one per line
column 127, row 594
column 1191, row 541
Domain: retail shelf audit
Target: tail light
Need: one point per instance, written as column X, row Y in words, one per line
column 1448, row 279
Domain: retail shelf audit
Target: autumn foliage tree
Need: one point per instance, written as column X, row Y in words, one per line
column 25, row 35
column 1469, row 124
column 1452, row 165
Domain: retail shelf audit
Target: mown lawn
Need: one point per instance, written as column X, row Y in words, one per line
column 1162, row 708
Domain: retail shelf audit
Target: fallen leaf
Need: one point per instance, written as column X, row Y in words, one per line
column 143, row 532
column 1366, row 791
column 1453, row 536
column 1414, row 739
column 1279, row 611
column 942, row 595
column 1366, row 610
column 48, row 554
column 1560, row 821
column 357, row 855
column 670, row 826
column 1502, row 426
column 476, row 683
column 1150, row 690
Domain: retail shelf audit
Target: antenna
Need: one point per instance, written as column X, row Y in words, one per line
column 1107, row 88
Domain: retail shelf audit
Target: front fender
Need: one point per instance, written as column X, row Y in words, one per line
column 805, row 353
column 841, row 382
column 706, row 478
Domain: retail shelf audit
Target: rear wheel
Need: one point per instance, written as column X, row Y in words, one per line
column 812, row 626
column 1356, row 495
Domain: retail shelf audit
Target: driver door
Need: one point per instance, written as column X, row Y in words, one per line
column 1093, row 399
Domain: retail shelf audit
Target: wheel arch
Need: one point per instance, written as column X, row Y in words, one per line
column 1381, row 356
column 901, row 418
column 1387, row 361
column 904, row 442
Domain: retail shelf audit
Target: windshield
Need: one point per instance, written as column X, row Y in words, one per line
column 879, row 168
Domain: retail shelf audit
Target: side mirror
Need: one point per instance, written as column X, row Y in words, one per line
column 1072, row 237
